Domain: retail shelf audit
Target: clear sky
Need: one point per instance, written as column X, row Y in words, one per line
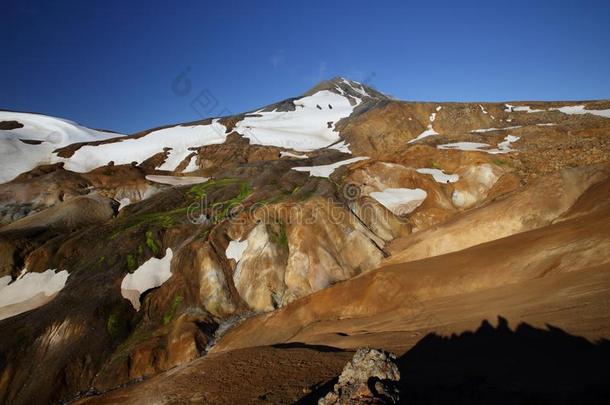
column 111, row 64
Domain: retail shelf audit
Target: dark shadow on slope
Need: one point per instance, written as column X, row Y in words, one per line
column 499, row 365
column 299, row 345
column 496, row 365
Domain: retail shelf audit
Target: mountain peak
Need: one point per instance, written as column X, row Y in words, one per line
column 347, row 87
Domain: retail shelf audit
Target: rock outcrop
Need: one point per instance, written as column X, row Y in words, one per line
column 370, row 377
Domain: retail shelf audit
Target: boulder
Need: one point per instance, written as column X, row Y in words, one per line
column 369, row 378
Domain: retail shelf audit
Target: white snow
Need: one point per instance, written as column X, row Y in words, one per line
column 400, row 201
column 176, row 180
column 17, row 157
column 256, row 243
column 512, row 108
column 494, row 129
column 342, row 147
column 482, row 109
column 526, row 109
column 580, row 109
column 548, row 124
column 292, row 155
column 353, row 85
column 327, row 170
column 178, row 138
column 192, row 166
column 236, row 249
column 439, row 175
column 29, row 291
column 124, row 202
column 151, row 274
column 574, row 109
column 503, row 147
column 304, row 129
column 466, row 146
column 429, row 130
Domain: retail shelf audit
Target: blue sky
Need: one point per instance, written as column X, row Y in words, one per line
column 111, row 64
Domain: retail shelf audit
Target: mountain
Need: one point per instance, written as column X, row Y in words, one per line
column 300, row 231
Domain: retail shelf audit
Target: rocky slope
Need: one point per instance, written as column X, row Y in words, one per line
column 340, row 217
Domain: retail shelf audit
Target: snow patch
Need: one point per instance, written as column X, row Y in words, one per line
column 400, row 201
column 482, row 109
column 304, row 129
column 580, row 109
column 503, row 147
column 179, row 139
column 18, row 157
column 192, row 166
column 353, row 85
column 327, row 170
column 429, row 130
column 29, row 291
column 176, row 180
column 520, row 108
column 292, row 155
column 256, row 242
column 439, row 175
column 465, row 146
column 574, row 109
column 124, row 202
column 342, row 147
column 236, row 249
column 494, row 129
column 151, row 274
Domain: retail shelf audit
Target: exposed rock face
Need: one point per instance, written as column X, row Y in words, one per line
column 259, row 275
column 476, row 182
column 40, row 189
column 334, row 247
column 294, row 249
column 202, row 265
column 19, row 239
column 369, row 378
column 379, row 176
column 532, row 207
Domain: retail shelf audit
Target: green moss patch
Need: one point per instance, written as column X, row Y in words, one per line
column 150, row 242
column 132, row 263
column 278, row 235
column 116, row 324
column 201, row 190
column 171, row 311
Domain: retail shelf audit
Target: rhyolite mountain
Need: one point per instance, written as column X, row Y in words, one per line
column 247, row 245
